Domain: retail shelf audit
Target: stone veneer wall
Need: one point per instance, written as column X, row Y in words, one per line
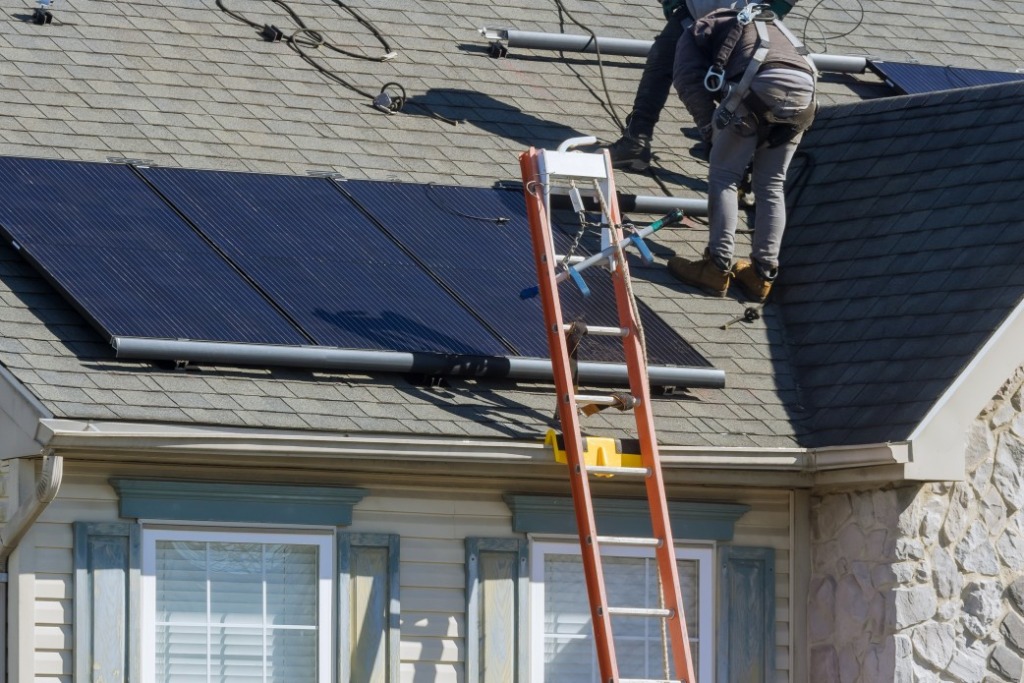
column 925, row 583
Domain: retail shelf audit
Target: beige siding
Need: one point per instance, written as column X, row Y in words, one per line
column 433, row 575
column 82, row 497
column 432, row 527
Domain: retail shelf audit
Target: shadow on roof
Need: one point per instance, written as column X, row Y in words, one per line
column 492, row 115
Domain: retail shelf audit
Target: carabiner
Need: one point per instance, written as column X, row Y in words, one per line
column 714, row 79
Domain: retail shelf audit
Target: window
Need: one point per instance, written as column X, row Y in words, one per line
column 562, row 649
column 220, row 607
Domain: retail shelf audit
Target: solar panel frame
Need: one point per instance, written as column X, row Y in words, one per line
column 106, row 242
column 314, row 253
column 914, row 79
column 486, row 260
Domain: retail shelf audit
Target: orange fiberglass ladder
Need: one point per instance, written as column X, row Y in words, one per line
column 545, row 172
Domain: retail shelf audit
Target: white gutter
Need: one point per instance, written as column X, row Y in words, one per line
column 82, row 439
column 46, row 489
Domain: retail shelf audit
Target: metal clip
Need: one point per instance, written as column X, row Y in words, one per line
column 714, row 79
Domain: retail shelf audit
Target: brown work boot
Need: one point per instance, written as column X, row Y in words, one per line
column 751, row 283
column 703, row 274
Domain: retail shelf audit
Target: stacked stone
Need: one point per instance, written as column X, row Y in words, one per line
column 926, row 583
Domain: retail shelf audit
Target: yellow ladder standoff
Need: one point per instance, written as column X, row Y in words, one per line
column 545, row 172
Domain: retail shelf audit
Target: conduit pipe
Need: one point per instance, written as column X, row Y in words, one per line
column 325, row 358
column 641, row 204
column 567, row 42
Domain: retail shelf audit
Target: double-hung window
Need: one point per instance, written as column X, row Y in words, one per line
column 562, row 649
column 226, row 606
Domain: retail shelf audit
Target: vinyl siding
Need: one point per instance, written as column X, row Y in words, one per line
column 432, row 525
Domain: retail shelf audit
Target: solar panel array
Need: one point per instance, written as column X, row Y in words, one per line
column 913, row 79
column 163, row 253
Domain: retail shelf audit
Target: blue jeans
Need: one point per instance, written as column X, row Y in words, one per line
column 656, row 81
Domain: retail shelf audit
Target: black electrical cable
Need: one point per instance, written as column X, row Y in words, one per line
column 373, row 29
column 500, row 220
column 825, row 38
column 600, row 63
column 305, row 37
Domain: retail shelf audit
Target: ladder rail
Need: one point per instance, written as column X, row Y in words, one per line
column 535, row 177
column 543, row 252
column 639, row 384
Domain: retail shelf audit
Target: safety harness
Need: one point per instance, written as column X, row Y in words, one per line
column 770, row 128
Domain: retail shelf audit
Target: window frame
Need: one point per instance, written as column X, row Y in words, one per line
column 326, row 575
column 703, row 554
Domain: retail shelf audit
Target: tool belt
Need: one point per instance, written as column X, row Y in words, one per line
column 774, row 131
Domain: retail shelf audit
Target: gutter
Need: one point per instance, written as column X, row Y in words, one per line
column 15, row 529
column 85, row 439
column 28, row 512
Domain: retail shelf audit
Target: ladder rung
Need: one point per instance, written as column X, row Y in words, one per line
column 626, row 471
column 574, row 259
column 595, row 400
column 630, row 541
column 600, row 331
column 640, row 612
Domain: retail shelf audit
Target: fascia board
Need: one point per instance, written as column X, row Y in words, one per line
column 938, row 443
column 83, row 438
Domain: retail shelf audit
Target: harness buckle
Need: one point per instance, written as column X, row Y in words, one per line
column 714, row 79
column 752, row 12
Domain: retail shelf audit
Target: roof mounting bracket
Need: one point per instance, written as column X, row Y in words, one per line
column 42, row 16
column 497, row 49
column 271, row 33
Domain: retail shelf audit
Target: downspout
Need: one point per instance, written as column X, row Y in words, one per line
column 15, row 529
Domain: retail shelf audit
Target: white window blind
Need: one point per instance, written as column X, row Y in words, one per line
column 233, row 607
column 564, row 643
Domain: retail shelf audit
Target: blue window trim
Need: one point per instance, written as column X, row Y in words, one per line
column 194, row 501
column 107, row 589
column 694, row 521
column 348, row 543
column 479, row 623
column 746, row 618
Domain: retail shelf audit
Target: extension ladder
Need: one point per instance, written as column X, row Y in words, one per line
column 546, row 172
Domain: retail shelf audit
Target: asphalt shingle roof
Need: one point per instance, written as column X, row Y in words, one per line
column 182, row 83
column 903, row 254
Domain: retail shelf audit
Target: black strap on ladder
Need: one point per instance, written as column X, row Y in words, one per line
column 542, row 170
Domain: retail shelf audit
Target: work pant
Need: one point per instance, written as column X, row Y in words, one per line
column 785, row 92
column 656, row 81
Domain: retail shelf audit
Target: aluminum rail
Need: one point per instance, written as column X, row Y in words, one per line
column 567, row 42
column 326, row 358
column 641, row 204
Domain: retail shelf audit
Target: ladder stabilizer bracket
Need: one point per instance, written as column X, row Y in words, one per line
column 578, row 279
column 646, row 257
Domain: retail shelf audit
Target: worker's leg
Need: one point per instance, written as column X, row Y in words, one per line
column 732, row 150
column 770, row 167
column 632, row 151
column 656, row 81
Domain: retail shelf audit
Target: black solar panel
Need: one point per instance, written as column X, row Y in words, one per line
column 477, row 240
column 324, row 262
column 175, row 254
column 911, row 79
column 126, row 259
